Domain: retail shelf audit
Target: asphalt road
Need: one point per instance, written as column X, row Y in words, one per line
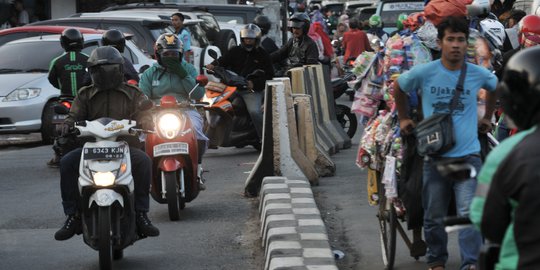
column 218, row 230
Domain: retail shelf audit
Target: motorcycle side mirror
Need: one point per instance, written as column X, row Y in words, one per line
column 61, row 109
column 146, row 105
column 202, row 80
column 212, row 54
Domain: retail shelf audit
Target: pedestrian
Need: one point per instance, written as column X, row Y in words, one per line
column 22, row 14
column 183, row 34
column 355, row 41
column 436, row 82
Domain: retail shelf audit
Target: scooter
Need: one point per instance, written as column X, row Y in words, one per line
column 173, row 149
column 228, row 121
column 106, row 187
column 345, row 117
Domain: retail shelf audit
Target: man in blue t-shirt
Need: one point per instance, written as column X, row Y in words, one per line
column 183, row 34
column 436, row 82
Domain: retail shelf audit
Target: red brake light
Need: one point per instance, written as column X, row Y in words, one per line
column 66, row 104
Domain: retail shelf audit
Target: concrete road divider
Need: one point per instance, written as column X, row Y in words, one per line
column 292, row 231
column 300, row 83
column 307, row 141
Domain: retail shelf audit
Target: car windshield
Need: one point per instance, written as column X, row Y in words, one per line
column 391, row 10
column 28, row 56
column 231, row 18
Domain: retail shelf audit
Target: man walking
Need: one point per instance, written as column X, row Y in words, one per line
column 436, row 82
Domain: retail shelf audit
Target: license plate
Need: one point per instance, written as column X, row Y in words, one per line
column 59, row 118
column 173, row 148
column 104, row 153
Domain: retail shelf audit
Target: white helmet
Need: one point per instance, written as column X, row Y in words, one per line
column 535, row 7
column 493, row 31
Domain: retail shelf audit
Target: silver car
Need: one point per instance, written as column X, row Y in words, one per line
column 26, row 96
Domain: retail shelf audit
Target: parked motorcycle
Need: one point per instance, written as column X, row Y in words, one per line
column 228, row 121
column 345, row 117
column 106, row 187
column 173, row 149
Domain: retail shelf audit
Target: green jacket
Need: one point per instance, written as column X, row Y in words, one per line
column 508, row 256
column 157, row 82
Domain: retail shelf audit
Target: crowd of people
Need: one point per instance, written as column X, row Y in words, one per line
column 453, row 65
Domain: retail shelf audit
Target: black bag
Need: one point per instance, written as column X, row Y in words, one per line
column 435, row 134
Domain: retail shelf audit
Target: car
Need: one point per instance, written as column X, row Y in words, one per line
column 219, row 34
column 242, row 14
column 14, row 33
column 364, row 13
column 26, row 96
column 389, row 11
column 146, row 28
column 352, row 6
column 334, row 6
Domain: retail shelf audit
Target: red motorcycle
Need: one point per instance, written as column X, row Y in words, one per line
column 173, row 149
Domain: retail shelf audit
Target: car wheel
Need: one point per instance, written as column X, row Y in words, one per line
column 47, row 127
column 227, row 40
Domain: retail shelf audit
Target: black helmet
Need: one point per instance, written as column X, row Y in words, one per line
column 520, row 88
column 300, row 20
column 264, row 23
column 250, row 31
column 166, row 43
column 106, row 67
column 72, row 40
column 114, row 38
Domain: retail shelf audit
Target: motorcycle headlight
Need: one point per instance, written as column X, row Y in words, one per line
column 104, row 179
column 169, row 125
column 22, row 94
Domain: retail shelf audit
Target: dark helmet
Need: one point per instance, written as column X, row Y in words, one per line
column 520, row 88
column 114, row 38
column 300, row 20
column 250, row 31
column 72, row 40
column 264, row 23
column 168, row 43
column 106, row 67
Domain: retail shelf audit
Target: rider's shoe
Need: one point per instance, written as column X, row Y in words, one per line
column 145, row 226
column 200, row 179
column 54, row 162
column 71, row 227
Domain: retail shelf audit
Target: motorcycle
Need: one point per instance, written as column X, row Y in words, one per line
column 106, row 187
column 228, row 121
column 341, row 86
column 174, row 154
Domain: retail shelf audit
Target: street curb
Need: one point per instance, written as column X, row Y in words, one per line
column 292, row 231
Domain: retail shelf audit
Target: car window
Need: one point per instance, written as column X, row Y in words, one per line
column 137, row 39
column 130, row 55
column 390, row 11
column 89, row 47
column 198, row 37
column 38, row 55
column 210, row 27
column 234, row 18
column 13, row 36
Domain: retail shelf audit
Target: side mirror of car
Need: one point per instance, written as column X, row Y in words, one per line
column 213, row 54
column 143, row 68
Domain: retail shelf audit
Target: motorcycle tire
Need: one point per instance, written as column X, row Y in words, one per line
column 104, row 233
column 346, row 119
column 171, row 182
column 118, row 254
column 47, row 128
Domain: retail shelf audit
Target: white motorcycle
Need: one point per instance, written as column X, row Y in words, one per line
column 107, row 189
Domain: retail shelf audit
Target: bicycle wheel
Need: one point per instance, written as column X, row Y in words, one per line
column 387, row 226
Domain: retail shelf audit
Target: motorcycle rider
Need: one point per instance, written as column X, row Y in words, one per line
column 300, row 49
column 506, row 201
column 244, row 60
column 67, row 73
column 108, row 96
column 172, row 75
column 376, row 28
column 267, row 43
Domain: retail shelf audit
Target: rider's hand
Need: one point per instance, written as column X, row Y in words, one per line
column 210, row 66
column 65, row 129
column 406, row 126
column 484, row 126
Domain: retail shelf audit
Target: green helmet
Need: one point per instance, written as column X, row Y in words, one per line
column 375, row 21
column 400, row 19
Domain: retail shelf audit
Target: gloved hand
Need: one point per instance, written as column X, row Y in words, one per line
column 174, row 66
